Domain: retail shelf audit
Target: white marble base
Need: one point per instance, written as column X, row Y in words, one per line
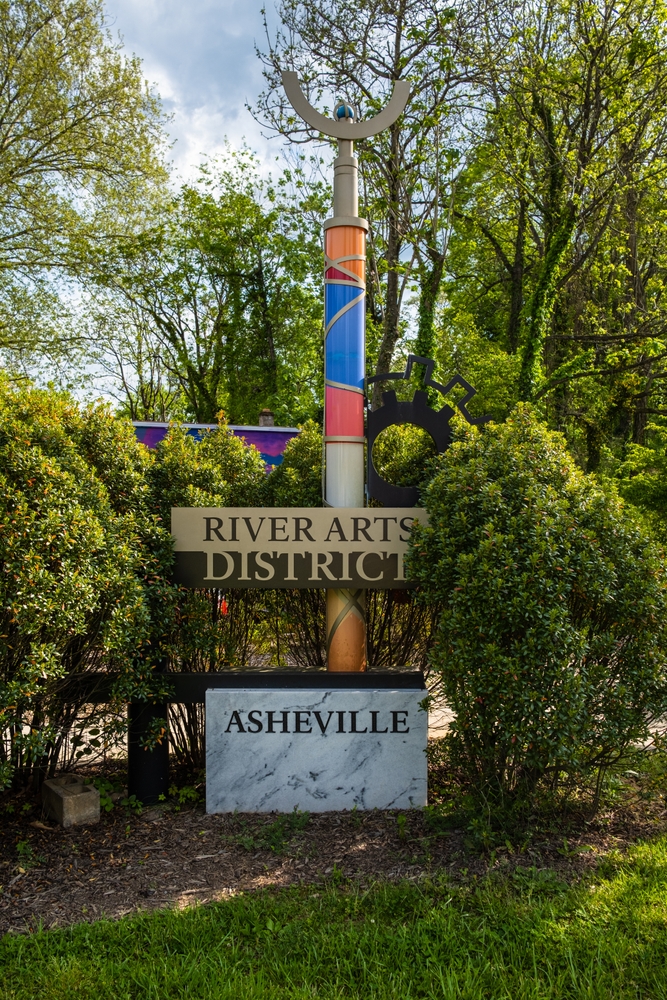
column 253, row 769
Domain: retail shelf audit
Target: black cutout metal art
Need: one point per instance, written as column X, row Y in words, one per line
column 418, row 412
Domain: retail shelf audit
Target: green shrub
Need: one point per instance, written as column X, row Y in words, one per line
column 210, row 629
column 642, row 479
column 219, row 471
column 86, row 585
column 297, row 482
column 552, row 637
column 79, row 552
column 402, row 455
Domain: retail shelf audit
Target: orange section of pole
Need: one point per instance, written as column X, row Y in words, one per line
column 347, row 242
column 346, row 630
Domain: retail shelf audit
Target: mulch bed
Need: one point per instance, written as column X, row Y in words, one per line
column 52, row 877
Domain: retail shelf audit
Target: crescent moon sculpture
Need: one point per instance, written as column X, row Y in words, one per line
column 345, row 128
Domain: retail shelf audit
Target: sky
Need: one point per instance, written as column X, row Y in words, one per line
column 200, row 56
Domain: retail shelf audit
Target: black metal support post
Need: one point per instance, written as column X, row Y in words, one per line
column 147, row 770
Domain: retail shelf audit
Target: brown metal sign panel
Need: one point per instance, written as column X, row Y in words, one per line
column 287, row 547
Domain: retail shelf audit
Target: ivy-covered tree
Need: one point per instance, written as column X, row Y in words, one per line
column 555, row 258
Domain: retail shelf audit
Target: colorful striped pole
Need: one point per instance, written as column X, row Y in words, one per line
column 344, row 364
column 345, row 348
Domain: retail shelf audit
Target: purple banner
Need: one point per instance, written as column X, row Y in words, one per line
column 269, row 441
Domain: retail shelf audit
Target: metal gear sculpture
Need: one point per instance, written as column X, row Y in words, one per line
column 417, row 412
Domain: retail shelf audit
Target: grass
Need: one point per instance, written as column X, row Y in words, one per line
column 525, row 937
column 273, row 836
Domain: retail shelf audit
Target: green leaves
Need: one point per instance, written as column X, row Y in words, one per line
column 217, row 302
column 81, row 146
column 77, row 545
column 550, row 642
column 297, row 481
column 86, row 556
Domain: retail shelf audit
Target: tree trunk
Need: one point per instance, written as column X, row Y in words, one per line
column 593, row 446
column 429, row 289
column 391, row 311
column 638, row 296
column 640, row 415
column 516, row 275
column 632, row 251
column 269, row 344
column 541, row 307
column 639, row 420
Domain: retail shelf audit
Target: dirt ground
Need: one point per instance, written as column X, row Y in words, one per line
column 165, row 858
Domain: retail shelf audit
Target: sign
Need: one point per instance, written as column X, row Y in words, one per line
column 289, row 547
column 316, row 750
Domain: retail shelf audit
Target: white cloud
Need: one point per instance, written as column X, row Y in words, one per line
column 201, row 58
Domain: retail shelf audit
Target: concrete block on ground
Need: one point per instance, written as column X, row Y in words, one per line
column 71, row 802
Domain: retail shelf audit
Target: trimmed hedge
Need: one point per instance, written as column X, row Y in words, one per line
column 552, row 638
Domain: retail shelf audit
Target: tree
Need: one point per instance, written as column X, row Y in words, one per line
column 126, row 348
column 577, row 97
column 218, row 301
column 80, row 133
column 555, row 269
column 360, row 50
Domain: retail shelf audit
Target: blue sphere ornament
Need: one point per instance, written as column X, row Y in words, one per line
column 344, row 111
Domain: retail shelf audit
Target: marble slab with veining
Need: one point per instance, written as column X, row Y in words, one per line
column 276, row 749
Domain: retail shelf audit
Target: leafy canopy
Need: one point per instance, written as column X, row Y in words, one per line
column 80, row 146
column 216, row 302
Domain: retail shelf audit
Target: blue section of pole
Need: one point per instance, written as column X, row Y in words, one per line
column 344, row 349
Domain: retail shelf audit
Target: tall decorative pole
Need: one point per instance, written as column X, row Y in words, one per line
column 345, row 347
